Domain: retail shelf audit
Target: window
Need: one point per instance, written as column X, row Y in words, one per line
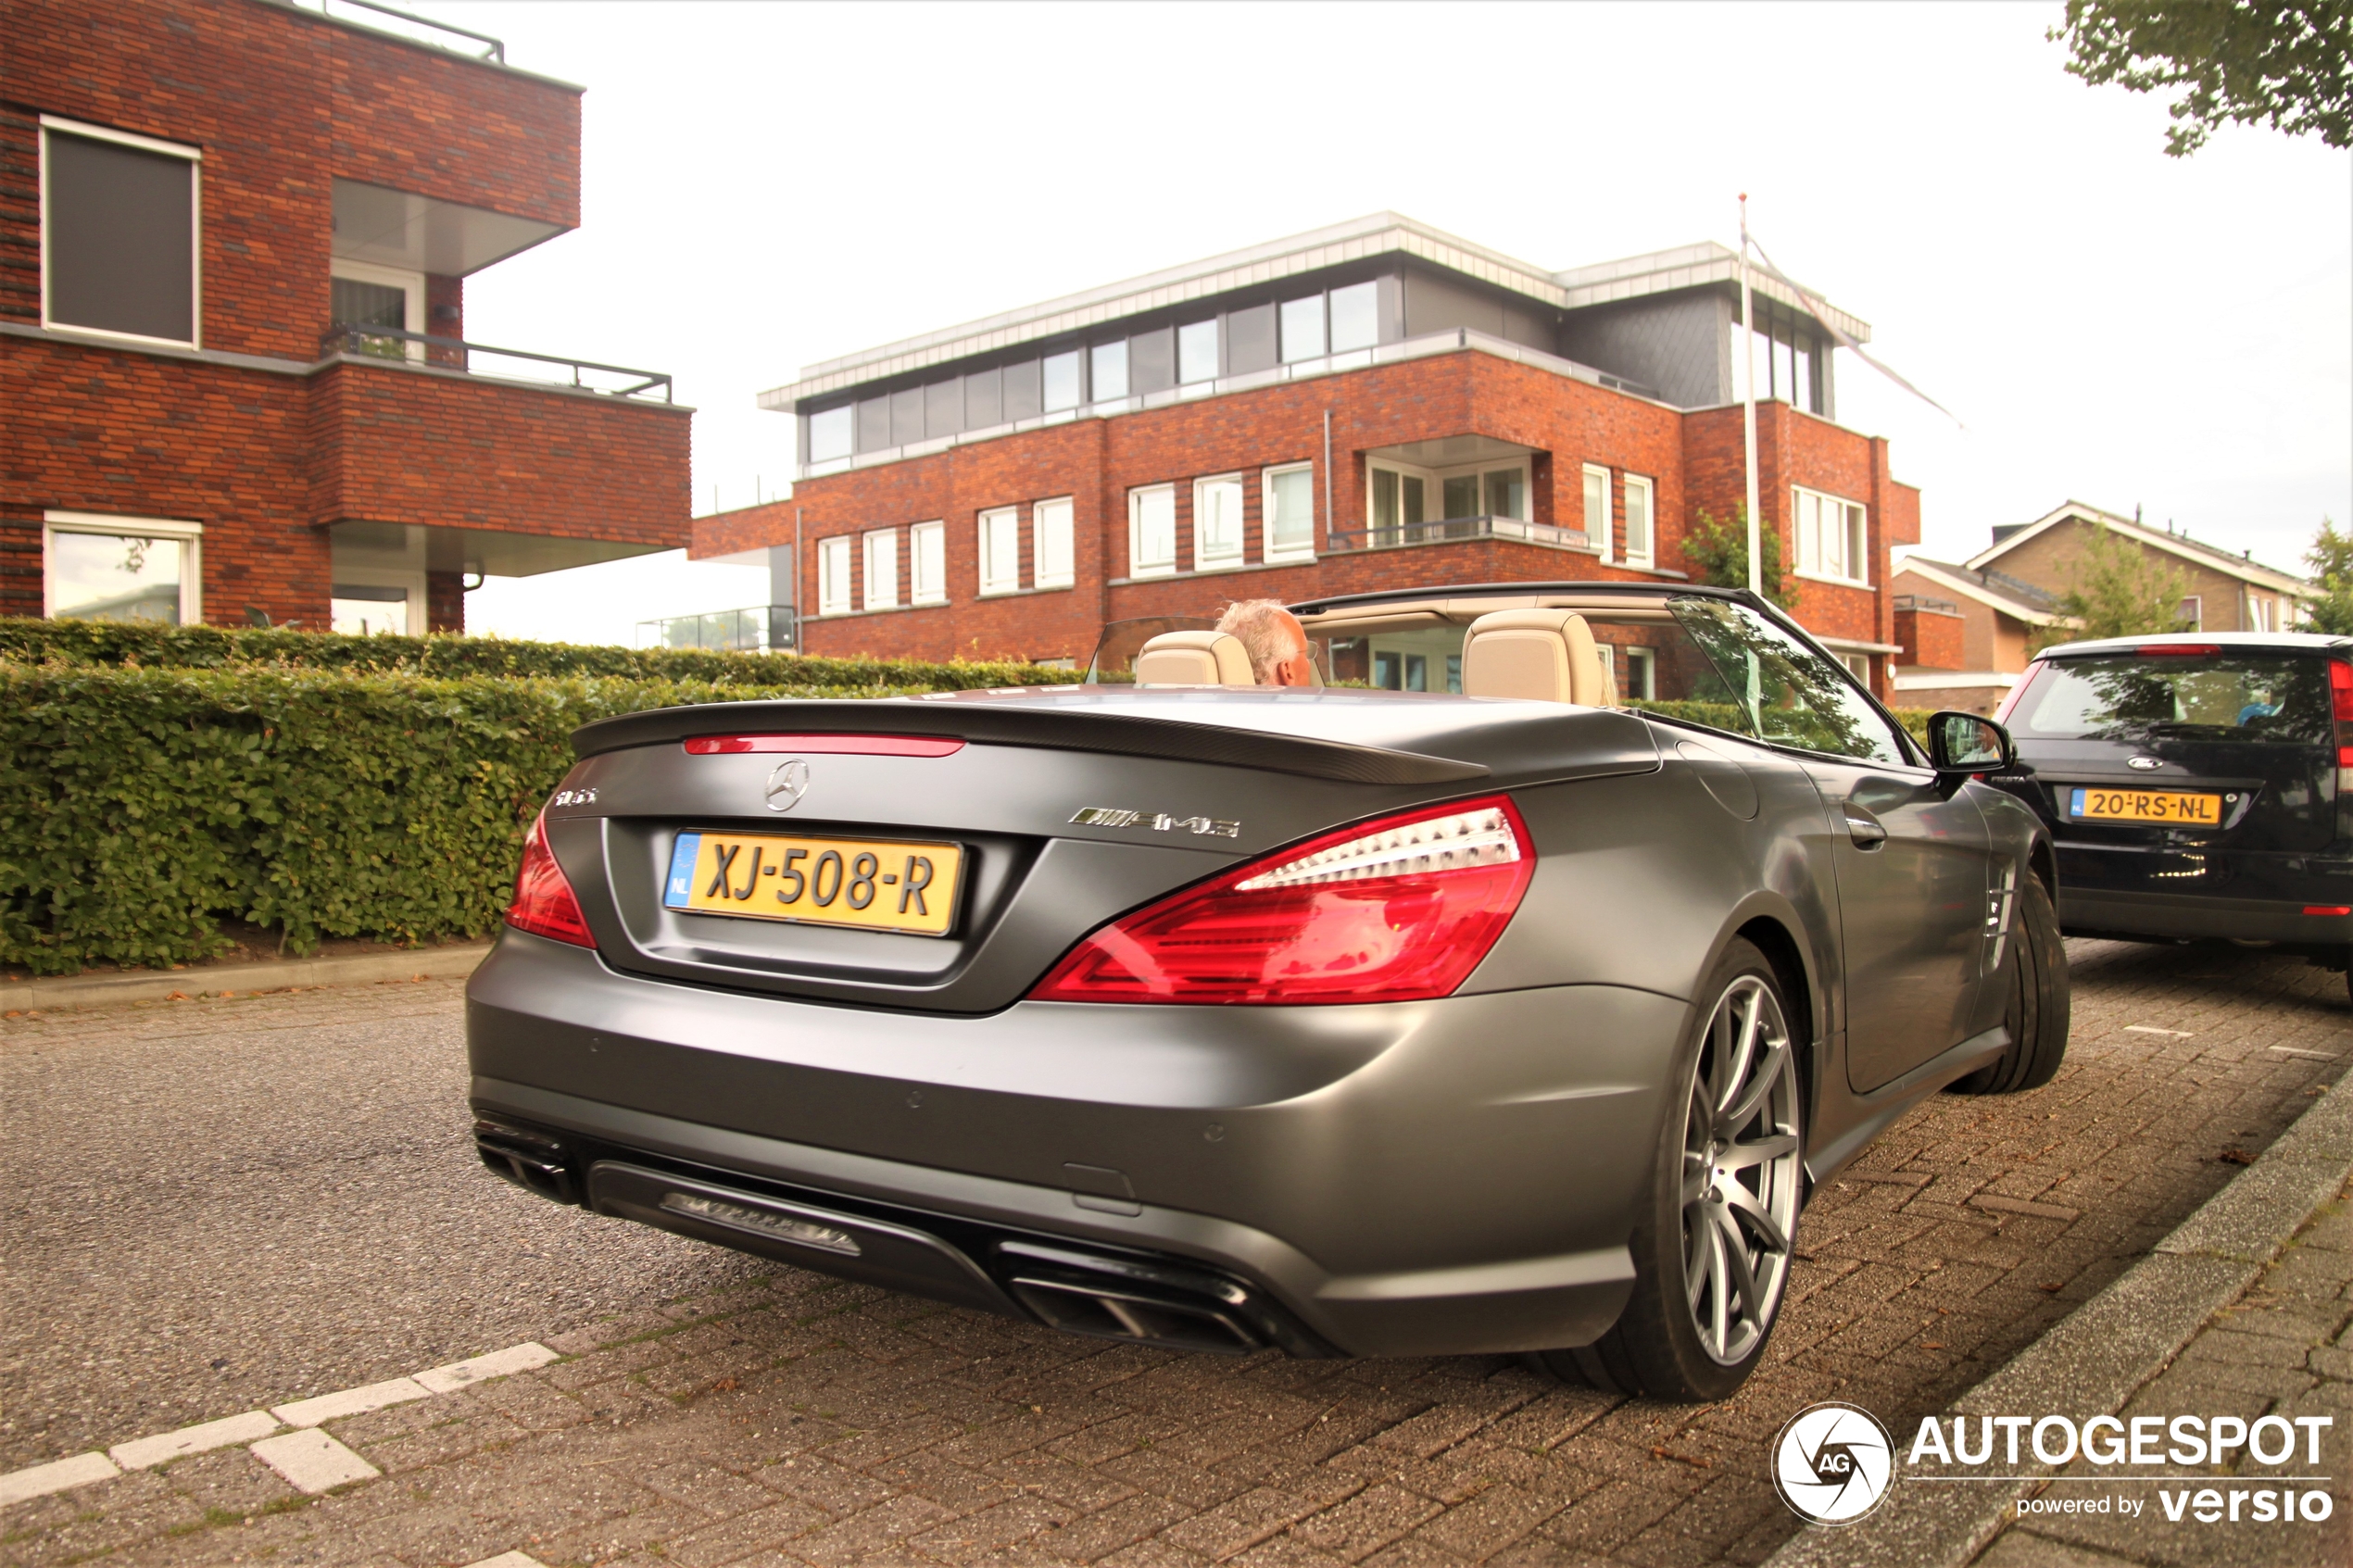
column 1399, row 500
column 365, row 296
column 833, row 575
column 1151, row 530
column 882, row 569
column 2191, row 612
column 1110, row 370
column 1051, row 544
column 1640, row 546
column 1768, row 685
column 360, row 610
column 1000, row 550
column 1641, row 674
column 1857, row 665
column 830, row 434
column 1507, row 492
column 1197, row 352
column 100, row 568
column 1597, row 509
column 1061, row 382
column 119, row 217
column 928, row 563
column 1287, row 511
column 1399, row 495
column 1355, row 315
column 1831, row 539
column 1302, row 327
column 1217, row 522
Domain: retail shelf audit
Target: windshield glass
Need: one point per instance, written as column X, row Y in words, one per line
column 2240, row 696
column 1115, row 650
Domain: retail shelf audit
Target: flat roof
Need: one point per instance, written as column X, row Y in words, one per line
column 1374, row 235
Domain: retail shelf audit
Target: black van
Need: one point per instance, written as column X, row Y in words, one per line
column 2195, row 785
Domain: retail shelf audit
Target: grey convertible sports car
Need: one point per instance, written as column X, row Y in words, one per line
column 1514, row 1014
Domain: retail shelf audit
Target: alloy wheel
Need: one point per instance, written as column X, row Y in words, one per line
column 1741, row 1172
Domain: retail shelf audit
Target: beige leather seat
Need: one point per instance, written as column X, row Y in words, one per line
column 1194, row 659
column 1545, row 655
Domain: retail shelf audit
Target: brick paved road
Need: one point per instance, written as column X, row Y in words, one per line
column 793, row 1419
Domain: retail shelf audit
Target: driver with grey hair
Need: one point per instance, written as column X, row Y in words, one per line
column 1275, row 640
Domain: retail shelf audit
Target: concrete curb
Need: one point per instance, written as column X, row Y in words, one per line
column 157, row 986
column 2097, row 1357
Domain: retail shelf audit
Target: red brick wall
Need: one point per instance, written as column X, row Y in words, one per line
column 1932, row 639
column 445, row 601
column 282, row 102
column 1693, row 460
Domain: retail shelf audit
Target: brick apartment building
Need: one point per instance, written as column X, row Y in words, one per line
column 234, row 237
column 1371, row 406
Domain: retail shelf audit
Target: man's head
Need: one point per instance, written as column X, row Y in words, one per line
column 1276, row 644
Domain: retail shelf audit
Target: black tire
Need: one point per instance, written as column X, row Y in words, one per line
column 1678, row 1340
column 2040, row 1005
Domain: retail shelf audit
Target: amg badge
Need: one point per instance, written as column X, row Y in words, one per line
column 1159, row 821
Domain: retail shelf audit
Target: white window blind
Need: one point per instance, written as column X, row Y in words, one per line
column 833, row 575
column 882, row 569
column 928, row 563
column 1597, row 509
column 1640, row 546
column 1151, row 530
column 1051, row 544
column 1000, row 550
column 1218, row 520
column 1290, row 512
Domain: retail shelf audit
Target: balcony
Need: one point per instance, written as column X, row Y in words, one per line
column 759, row 628
column 510, row 364
column 1456, row 530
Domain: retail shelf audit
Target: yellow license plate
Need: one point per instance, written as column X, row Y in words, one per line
column 2147, row 805
column 871, row 885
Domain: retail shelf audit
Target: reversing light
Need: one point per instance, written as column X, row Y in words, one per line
column 544, row 902
column 1401, row 908
column 853, row 746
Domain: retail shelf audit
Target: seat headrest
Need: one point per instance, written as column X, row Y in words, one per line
column 1194, row 659
column 1544, row 655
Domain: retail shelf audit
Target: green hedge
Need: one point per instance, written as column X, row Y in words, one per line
column 150, row 646
column 139, row 807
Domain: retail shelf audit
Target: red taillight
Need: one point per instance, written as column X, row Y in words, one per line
column 2341, row 690
column 2328, row 908
column 544, row 903
column 2177, row 650
column 859, row 746
column 1392, row 910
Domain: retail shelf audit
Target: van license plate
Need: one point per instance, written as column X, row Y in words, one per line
column 2146, row 806
column 875, row 885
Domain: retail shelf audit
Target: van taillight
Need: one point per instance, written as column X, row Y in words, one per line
column 2341, row 709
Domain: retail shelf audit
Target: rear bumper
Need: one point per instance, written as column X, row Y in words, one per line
column 2181, row 917
column 1447, row 1177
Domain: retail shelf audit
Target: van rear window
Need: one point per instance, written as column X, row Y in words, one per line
column 2245, row 696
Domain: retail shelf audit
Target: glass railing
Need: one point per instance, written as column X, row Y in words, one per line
column 1455, row 530
column 478, row 358
column 759, row 628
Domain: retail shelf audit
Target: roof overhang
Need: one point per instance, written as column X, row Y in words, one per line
column 1707, row 265
column 1451, row 451
column 424, row 234
column 2245, row 568
column 432, row 548
column 1968, row 588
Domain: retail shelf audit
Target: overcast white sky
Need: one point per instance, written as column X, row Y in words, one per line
column 768, row 185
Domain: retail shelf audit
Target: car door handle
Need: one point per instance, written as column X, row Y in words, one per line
column 1862, row 827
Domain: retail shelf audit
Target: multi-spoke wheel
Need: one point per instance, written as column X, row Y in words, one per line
column 1740, row 1172
column 1711, row 1242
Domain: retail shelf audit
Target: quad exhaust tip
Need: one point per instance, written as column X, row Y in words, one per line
column 531, row 1161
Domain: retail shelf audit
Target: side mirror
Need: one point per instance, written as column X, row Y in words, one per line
column 1969, row 743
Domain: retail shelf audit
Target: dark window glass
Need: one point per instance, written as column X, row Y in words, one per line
column 984, row 399
column 1249, row 338
column 369, row 304
column 943, row 409
column 2235, row 697
column 1774, row 687
column 121, row 238
column 1022, row 395
column 1151, row 361
column 907, row 415
column 874, row 424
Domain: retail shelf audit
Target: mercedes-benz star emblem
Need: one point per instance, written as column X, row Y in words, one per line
column 787, row 784
column 1832, row 1463
column 2145, row 764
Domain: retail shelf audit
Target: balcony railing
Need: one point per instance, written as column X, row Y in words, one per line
column 760, row 629
column 494, row 49
column 1455, row 530
column 513, row 364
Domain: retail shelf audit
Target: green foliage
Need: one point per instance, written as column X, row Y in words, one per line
column 2236, row 61
column 2118, row 589
column 151, row 645
column 1720, row 548
column 139, row 807
column 2331, row 559
column 1727, row 717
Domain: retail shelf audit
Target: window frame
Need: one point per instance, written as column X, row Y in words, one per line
column 984, row 525
column 2194, row 607
column 1607, row 541
column 194, row 158
column 848, row 413
column 1855, row 524
column 1433, row 483
column 411, row 284
column 1642, row 673
column 190, row 535
column 1240, row 555
column 834, row 560
column 868, row 542
column 1136, row 565
column 1216, row 352
column 1627, row 484
column 1331, row 342
column 1065, row 508
column 1304, row 304
column 1267, row 550
column 933, row 534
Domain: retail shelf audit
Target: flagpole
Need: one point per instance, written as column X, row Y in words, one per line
column 1748, row 410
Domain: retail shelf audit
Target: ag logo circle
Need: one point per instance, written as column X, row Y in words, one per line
column 1832, row 1463
column 787, row 784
